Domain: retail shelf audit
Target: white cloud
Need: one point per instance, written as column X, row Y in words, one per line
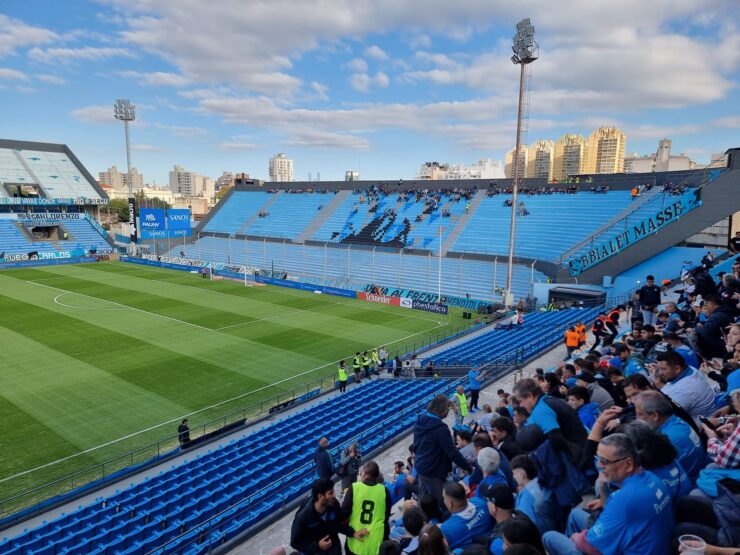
column 376, row 53
column 183, row 132
column 51, row 79
column 17, row 34
column 156, row 79
column 420, row 41
column 320, row 90
column 12, row 74
column 435, row 59
column 146, row 148
column 94, row 114
column 358, row 65
column 25, row 90
column 326, row 139
column 727, row 122
column 237, row 146
column 89, row 53
column 363, row 82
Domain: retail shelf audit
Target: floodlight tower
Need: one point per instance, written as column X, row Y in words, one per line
column 124, row 111
column 526, row 51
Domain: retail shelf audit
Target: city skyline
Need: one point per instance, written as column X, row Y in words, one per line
column 378, row 89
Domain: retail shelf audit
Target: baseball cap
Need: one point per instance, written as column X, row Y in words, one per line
column 501, row 496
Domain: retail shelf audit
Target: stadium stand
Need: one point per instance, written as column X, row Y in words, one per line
column 507, row 343
column 242, row 206
column 145, row 516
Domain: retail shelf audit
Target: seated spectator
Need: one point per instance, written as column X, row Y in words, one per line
column 656, row 454
column 503, row 434
column 500, row 501
column 636, row 520
column 529, row 498
column 709, row 334
column 686, row 386
column 489, row 462
column 464, row 442
column 724, row 442
column 657, row 411
column 579, row 399
column 413, row 522
column 519, row 530
column 469, row 518
column 597, row 394
column 618, row 382
column 675, row 343
column 432, row 541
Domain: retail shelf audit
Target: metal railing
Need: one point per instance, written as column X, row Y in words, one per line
column 74, row 478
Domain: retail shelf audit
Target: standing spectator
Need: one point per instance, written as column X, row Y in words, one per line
column 382, row 355
column 415, row 366
column 649, row 300
column 735, row 243
column 476, row 378
column 572, row 341
column 636, row 520
column 367, row 504
column 556, row 419
column 635, row 309
column 323, row 460
column 460, row 405
column 656, row 410
column 357, row 367
column 183, row 433
column 349, row 466
column 316, row 526
column 342, row 376
column 685, row 386
column 469, row 518
column 434, row 449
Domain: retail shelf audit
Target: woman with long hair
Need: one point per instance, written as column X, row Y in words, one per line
column 432, row 542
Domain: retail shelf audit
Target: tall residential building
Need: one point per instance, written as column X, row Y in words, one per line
column 662, row 160
column 190, row 184
column 540, row 157
column 350, row 175
column 433, row 171
column 281, row 168
column 522, row 162
column 606, row 151
column 119, row 181
column 570, row 156
column 485, row 168
column 226, row 180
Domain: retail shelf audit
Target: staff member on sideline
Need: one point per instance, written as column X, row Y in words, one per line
column 342, row 376
column 367, row 504
column 572, row 341
column 357, row 367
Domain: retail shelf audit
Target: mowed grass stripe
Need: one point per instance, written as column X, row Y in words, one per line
column 167, row 373
column 80, row 403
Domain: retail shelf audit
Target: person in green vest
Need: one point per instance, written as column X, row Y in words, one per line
column 357, row 366
column 460, row 405
column 366, row 364
column 342, row 376
column 367, row 505
column 374, row 362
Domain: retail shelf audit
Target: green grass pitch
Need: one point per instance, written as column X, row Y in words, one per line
column 93, row 353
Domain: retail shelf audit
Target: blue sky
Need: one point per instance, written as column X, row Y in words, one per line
column 344, row 84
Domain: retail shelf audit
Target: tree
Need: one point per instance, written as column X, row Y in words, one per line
column 119, row 207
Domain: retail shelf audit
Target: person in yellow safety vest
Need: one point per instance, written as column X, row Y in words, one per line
column 581, row 329
column 572, row 338
column 366, row 364
column 460, row 405
column 357, row 367
column 368, row 506
column 375, row 360
column 342, row 375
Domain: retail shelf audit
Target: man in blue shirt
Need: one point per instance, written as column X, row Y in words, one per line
column 637, row 519
column 675, row 343
column 476, row 378
column 469, row 518
column 657, row 411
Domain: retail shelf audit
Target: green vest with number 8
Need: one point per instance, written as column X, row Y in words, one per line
column 368, row 512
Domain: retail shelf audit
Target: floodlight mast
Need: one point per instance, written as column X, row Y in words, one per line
column 526, row 51
column 124, row 111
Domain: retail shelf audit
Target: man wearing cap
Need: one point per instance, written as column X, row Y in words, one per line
column 500, row 501
column 649, row 300
column 598, row 394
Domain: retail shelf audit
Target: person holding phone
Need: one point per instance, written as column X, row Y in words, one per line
column 723, row 446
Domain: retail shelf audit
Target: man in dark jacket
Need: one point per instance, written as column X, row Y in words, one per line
column 317, row 525
column 434, row 449
column 709, row 334
column 323, row 460
column 557, row 420
column 649, row 300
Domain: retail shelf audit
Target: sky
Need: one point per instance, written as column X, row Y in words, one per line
column 376, row 86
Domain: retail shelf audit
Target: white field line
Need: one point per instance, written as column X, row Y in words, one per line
column 178, row 419
column 124, row 306
column 274, row 317
column 60, row 303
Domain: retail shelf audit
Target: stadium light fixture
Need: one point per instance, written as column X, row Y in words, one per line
column 124, row 111
column 526, row 51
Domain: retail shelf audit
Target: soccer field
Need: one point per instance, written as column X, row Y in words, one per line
column 98, row 359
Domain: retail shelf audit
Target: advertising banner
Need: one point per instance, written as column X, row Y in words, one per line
column 152, row 223
column 662, row 216
column 49, row 216
column 380, row 299
column 410, row 294
column 437, row 308
column 132, row 219
column 178, row 218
